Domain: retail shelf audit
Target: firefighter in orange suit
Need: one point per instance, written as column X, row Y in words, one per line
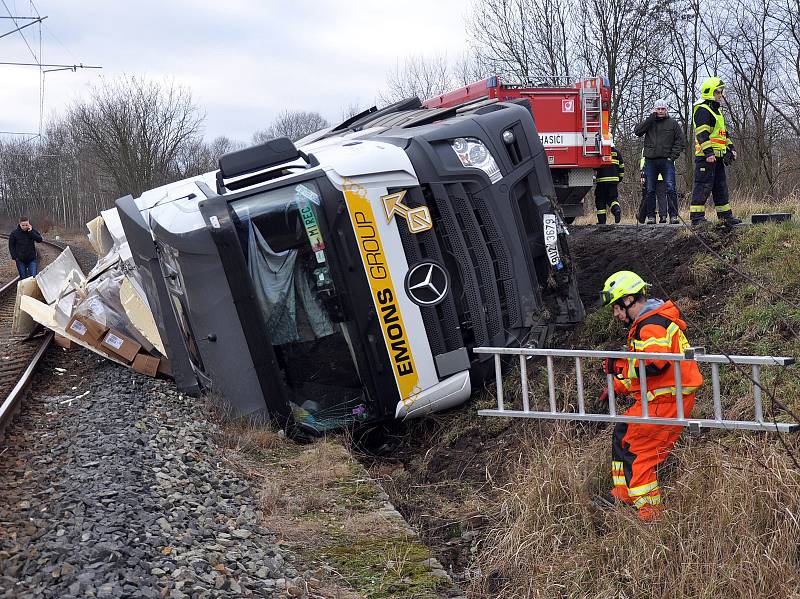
column 655, row 326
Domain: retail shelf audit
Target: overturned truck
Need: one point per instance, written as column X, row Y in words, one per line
column 346, row 278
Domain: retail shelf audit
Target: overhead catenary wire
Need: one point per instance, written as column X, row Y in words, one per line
column 44, row 68
column 14, row 19
column 64, row 66
column 21, row 27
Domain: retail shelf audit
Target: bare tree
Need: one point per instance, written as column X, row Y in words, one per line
column 293, row 124
column 423, row 77
column 528, row 41
column 504, row 37
column 469, row 68
column 625, row 31
column 222, row 145
column 350, row 110
column 135, row 129
column 747, row 36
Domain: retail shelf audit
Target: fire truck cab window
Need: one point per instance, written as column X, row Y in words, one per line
column 296, row 295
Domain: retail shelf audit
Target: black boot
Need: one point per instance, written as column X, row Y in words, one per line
column 605, row 501
column 616, row 212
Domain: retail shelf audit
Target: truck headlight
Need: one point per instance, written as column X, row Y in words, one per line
column 471, row 152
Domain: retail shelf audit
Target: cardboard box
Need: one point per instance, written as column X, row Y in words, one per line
column 146, row 364
column 62, row 341
column 23, row 324
column 86, row 329
column 164, row 367
column 121, row 345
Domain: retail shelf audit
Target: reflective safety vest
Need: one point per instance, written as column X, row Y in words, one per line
column 658, row 331
column 718, row 135
column 614, row 172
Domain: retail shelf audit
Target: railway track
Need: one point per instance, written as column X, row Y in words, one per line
column 19, row 356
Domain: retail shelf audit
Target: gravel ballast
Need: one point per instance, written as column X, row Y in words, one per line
column 111, row 487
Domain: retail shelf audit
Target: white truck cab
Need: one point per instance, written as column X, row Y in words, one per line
column 346, row 279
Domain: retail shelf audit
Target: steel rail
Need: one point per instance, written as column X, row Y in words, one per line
column 12, row 401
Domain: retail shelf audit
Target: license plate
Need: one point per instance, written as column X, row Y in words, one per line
column 550, row 229
column 551, row 239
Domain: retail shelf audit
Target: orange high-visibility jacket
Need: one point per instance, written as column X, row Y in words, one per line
column 659, row 330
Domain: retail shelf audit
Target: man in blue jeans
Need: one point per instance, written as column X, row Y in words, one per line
column 22, row 247
column 663, row 144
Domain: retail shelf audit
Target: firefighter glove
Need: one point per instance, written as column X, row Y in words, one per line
column 613, row 366
column 729, row 157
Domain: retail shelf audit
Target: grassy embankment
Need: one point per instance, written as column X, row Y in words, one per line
column 732, row 524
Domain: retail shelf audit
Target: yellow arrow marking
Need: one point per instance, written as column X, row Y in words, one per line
column 393, row 204
column 418, row 219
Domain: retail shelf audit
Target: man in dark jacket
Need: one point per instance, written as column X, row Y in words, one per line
column 22, row 247
column 663, row 143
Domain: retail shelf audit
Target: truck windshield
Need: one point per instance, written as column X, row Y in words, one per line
column 289, row 265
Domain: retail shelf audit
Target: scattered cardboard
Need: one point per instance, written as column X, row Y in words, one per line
column 86, row 329
column 52, row 278
column 44, row 315
column 39, row 311
column 164, row 367
column 122, row 345
column 64, row 342
column 146, row 364
column 138, row 311
column 99, row 237
column 23, row 323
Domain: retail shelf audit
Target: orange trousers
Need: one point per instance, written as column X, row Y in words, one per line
column 637, row 449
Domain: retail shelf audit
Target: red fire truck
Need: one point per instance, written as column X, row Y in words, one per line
column 572, row 121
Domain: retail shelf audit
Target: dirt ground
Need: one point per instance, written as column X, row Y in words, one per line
column 660, row 254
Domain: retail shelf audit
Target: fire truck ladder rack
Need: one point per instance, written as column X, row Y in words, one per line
column 592, row 116
column 691, row 354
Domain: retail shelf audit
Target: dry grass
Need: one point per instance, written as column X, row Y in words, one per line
column 743, row 204
column 732, row 521
column 324, row 506
column 731, row 526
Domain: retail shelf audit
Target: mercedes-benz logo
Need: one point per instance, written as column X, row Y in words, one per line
column 427, row 283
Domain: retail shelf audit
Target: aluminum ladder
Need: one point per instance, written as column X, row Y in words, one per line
column 691, row 354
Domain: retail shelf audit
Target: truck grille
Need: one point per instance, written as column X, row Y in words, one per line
column 473, row 248
column 441, row 321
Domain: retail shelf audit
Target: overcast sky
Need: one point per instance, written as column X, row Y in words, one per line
column 243, row 60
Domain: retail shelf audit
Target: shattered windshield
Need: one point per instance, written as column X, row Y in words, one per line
column 289, row 265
